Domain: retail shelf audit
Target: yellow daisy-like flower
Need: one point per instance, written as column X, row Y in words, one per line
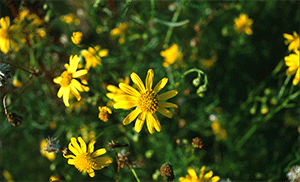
column 114, row 91
column 192, row 176
column 146, row 100
column 171, row 55
column 68, row 83
column 292, row 61
column 104, row 113
column 70, row 18
column 6, row 36
column 84, row 159
column 76, row 38
column 93, row 56
column 243, row 24
column 292, row 40
column 50, row 156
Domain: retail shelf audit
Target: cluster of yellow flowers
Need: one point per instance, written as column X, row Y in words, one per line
column 292, row 60
column 26, row 26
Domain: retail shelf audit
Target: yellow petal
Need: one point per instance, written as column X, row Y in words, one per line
column 202, row 172
column 157, row 125
column 208, row 175
column 150, row 123
column 165, row 112
column 160, row 85
column 192, row 173
column 75, row 92
column 91, row 146
column 57, row 80
column 91, row 172
column 137, row 80
column 79, row 73
column 166, row 104
column 125, row 105
column 103, row 53
column 98, row 153
column 139, row 122
column 167, row 95
column 66, row 96
column 69, row 156
column 77, row 85
column 71, row 162
column 74, row 150
column 129, row 90
column 73, row 64
column 131, row 116
column 149, row 79
column 75, row 144
column 60, row 92
column 215, row 179
column 288, row 36
column 124, row 97
column 82, row 144
column 102, row 162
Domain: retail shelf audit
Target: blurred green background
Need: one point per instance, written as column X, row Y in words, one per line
column 255, row 146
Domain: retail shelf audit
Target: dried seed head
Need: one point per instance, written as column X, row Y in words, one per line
column 52, row 145
column 14, row 119
column 112, row 145
column 4, row 73
column 166, row 170
column 197, row 142
column 122, row 159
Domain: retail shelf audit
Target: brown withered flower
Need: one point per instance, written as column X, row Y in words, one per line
column 14, row 119
column 197, row 142
column 112, row 145
column 166, row 170
column 123, row 160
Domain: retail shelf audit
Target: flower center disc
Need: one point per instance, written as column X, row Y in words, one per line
column 148, row 101
column 66, row 78
column 83, row 162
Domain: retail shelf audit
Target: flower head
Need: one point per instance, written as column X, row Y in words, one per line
column 292, row 61
column 171, row 55
column 104, row 113
column 93, row 56
column 243, row 24
column 76, row 38
column 68, row 83
column 50, row 156
column 84, row 159
column 294, row 173
column 192, row 176
column 146, row 100
column 120, row 31
column 7, row 35
column 70, row 18
column 292, row 40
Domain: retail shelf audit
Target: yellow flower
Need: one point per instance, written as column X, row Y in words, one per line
column 50, row 156
column 243, row 24
column 68, row 83
column 104, row 113
column 7, row 176
column 70, row 18
column 146, row 100
column 220, row 133
column 114, row 91
column 93, row 56
column 171, row 55
column 6, row 35
column 84, row 159
column 120, row 31
column 293, row 40
column 192, row 176
column 292, row 61
column 76, row 38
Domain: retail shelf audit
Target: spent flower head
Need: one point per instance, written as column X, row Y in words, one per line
column 68, row 82
column 294, row 174
column 146, row 100
column 86, row 159
column 104, row 113
column 192, row 176
column 243, row 24
column 50, row 156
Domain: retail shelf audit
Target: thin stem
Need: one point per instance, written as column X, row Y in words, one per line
column 170, row 30
column 106, row 129
column 282, row 89
column 18, row 67
column 152, row 9
column 135, row 175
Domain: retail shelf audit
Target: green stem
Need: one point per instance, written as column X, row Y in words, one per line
column 282, row 89
column 134, row 174
column 152, row 9
column 170, row 30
